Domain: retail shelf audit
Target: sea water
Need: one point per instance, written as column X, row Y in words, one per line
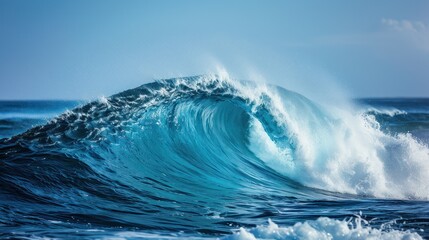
column 208, row 157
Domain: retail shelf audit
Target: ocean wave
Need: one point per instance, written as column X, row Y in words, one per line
column 183, row 148
column 215, row 131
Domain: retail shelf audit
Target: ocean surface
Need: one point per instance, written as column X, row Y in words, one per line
column 208, row 157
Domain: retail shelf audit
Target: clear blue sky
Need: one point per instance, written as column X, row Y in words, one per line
column 84, row 49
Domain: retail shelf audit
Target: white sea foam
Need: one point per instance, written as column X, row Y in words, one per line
column 321, row 229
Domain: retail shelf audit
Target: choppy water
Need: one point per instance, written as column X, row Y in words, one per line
column 210, row 157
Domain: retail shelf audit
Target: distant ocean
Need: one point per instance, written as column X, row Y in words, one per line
column 207, row 157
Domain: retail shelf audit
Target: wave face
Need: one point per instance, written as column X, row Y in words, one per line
column 203, row 154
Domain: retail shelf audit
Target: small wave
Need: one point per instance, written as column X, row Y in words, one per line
column 19, row 115
column 391, row 112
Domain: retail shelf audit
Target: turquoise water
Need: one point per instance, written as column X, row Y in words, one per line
column 207, row 157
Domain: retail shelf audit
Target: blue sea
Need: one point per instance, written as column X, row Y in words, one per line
column 208, row 157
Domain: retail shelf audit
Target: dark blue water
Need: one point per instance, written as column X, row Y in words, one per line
column 19, row 116
column 202, row 157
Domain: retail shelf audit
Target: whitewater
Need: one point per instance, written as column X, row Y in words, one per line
column 213, row 157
